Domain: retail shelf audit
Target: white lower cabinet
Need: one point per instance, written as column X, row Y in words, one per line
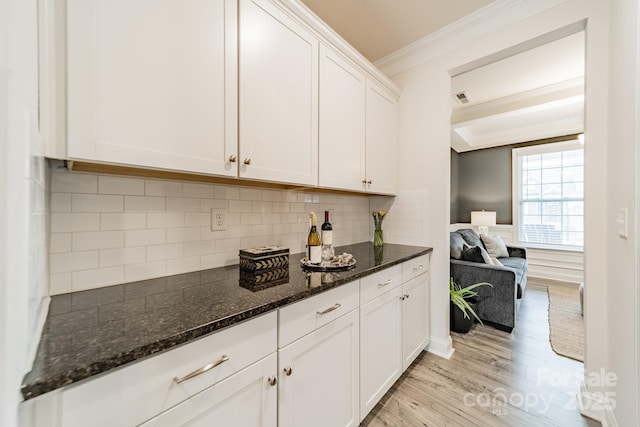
column 415, row 321
column 141, row 391
column 322, row 361
column 247, row 398
column 380, row 347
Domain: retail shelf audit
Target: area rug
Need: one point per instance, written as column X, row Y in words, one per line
column 566, row 325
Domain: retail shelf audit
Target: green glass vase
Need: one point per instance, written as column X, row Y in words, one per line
column 378, row 239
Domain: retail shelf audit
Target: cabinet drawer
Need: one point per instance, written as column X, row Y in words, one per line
column 135, row 393
column 415, row 267
column 297, row 320
column 378, row 283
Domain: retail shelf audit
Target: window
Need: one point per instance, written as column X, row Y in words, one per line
column 549, row 191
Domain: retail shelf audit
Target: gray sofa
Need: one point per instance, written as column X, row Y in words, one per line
column 497, row 305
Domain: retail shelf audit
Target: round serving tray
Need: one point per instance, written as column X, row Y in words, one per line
column 315, row 267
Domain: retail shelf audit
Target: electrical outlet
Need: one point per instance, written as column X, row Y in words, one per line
column 218, row 219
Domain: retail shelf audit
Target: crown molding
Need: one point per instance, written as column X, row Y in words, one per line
column 496, row 16
column 327, row 35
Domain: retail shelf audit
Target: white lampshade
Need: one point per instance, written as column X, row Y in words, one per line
column 486, row 218
column 483, row 220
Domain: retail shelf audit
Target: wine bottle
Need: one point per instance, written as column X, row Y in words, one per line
column 327, row 239
column 313, row 242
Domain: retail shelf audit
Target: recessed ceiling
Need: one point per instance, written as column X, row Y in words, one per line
column 377, row 28
column 533, row 95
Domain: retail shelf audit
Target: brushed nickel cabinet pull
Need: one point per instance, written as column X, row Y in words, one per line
column 330, row 309
column 247, row 161
column 420, row 267
column 388, row 282
column 369, row 182
column 202, row 370
column 233, row 158
column 288, row 371
column 272, row 381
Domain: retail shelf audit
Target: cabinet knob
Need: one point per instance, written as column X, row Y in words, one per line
column 233, row 158
column 364, row 181
column 369, row 182
column 247, row 161
column 288, row 371
column 272, row 381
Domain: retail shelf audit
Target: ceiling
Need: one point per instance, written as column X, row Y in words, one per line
column 532, row 95
column 377, row 28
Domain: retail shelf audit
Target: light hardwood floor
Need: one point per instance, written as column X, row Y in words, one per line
column 493, row 379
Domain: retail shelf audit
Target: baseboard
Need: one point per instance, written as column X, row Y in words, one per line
column 442, row 348
column 596, row 406
column 551, row 282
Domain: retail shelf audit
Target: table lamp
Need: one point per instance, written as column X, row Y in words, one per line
column 483, row 220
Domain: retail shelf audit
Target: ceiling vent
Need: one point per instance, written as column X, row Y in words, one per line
column 462, row 97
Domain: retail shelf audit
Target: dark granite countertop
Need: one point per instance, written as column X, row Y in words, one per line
column 90, row 332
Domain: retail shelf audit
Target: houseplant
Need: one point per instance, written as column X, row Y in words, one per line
column 462, row 304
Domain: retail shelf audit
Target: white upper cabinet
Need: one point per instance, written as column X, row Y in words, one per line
column 153, row 83
column 382, row 137
column 342, row 126
column 278, row 96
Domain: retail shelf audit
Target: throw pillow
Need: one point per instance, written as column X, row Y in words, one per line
column 496, row 261
column 456, row 244
column 476, row 254
column 495, row 246
column 471, row 237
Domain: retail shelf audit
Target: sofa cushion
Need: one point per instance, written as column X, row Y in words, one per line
column 476, row 254
column 456, row 245
column 520, row 266
column 495, row 246
column 471, row 237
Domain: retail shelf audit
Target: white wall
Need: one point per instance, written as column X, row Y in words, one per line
column 424, row 147
column 23, row 282
column 622, row 177
column 108, row 229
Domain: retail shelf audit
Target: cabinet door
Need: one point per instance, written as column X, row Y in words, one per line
column 415, row 319
column 382, row 139
column 380, row 347
column 342, row 112
column 248, row 398
column 321, row 387
column 278, row 96
column 153, row 83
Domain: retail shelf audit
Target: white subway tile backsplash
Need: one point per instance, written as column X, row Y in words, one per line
column 59, row 283
column 202, row 219
column 165, row 220
column 250, row 194
column 73, row 261
column 91, row 240
column 204, row 191
column 123, row 256
column 112, row 229
column 123, row 221
column 96, row 203
column 240, row 206
column 146, row 270
column 199, row 248
column 144, row 204
column 90, row 279
column 187, row 234
column 145, row 237
column 163, row 252
column 59, row 243
column 120, row 185
column 65, row 222
column 60, row 202
column 183, row 204
column 69, row 182
column 163, row 188
column 183, row 265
